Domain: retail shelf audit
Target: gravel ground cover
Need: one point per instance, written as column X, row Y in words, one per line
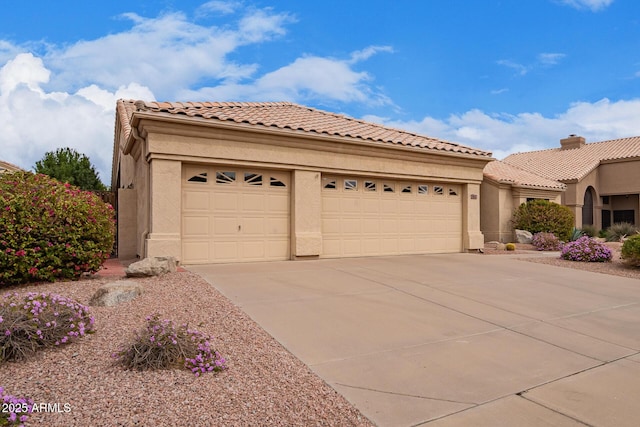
column 615, row 267
column 264, row 385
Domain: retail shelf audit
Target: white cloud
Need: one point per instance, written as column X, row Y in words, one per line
column 520, row 69
column 217, row 6
column 308, row 77
column 505, row 134
column 550, row 58
column 593, row 5
column 368, row 52
column 163, row 53
column 542, row 60
column 34, row 121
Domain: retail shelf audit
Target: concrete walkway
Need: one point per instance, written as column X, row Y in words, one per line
column 454, row 340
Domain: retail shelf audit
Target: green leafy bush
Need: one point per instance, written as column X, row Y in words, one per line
column 510, row 247
column 50, row 230
column 631, row 251
column 589, row 230
column 546, row 242
column 538, row 216
column 162, row 345
column 35, row 321
column 586, row 249
column 619, row 231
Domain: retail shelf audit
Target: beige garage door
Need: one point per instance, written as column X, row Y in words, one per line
column 234, row 215
column 363, row 217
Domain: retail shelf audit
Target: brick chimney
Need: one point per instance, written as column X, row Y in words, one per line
column 573, row 141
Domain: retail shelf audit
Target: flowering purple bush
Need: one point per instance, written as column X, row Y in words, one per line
column 34, row 321
column 586, row 249
column 17, row 408
column 50, row 230
column 546, row 242
column 160, row 345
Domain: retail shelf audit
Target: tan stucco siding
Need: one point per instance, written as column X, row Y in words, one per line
column 278, row 152
column 620, row 178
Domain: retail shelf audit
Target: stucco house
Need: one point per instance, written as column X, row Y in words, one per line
column 233, row 182
column 602, row 178
column 8, row 167
column 504, row 188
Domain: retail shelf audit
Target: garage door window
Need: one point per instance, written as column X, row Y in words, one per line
column 369, row 186
column 423, row 189
column 225, row 177
column 275, row 182
column 350, row 184
column 201, row 177
column 406, row 189
column 329, row 184
column 438, row 190
column 453, row 192
column 253, row 179
column 389, row 188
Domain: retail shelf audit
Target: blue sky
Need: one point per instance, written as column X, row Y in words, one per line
column 505, row 76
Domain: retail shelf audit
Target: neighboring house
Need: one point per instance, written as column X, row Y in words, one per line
column 506, row 187
column 602, row 178
column 8, row 167
column 233, row 182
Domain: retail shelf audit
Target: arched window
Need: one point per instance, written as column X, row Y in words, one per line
column 587, row 207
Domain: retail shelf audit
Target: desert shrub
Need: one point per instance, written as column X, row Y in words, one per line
column 586, row 249
column 50, row 230
column 538, row 216
column 631, row 251
column 162, row 345
column 589, row 230
column 619, row 231
column 576, row 234
column 546, row 242
column 14, row 413
column 34, row 321
column 510, row 247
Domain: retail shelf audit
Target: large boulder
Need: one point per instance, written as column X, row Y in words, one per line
column 523, row 236
column 115, row 293
column 148, row 267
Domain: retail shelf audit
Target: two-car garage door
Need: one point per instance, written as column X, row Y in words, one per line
column 367, row 217
column 236, row 215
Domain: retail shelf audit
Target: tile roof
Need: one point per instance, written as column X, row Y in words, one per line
column 286, row 115
column 8, row 167
column 505, row 173
column 576, row 163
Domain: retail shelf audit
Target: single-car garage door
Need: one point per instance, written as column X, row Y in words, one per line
column 234, row 215
column 370, row 216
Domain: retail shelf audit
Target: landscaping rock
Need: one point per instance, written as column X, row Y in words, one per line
column 115, row 293
column 523, row 236
column 496, row 245
column 148, row 267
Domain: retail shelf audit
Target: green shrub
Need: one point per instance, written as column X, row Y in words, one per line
column 586, row 249
column 588, row 230
column 50, row 230
column 510, row 247
column 620, row 230
column 631, row 251
column 35, row 321
column 546, row 242
column 538, row 216
column 162, row 345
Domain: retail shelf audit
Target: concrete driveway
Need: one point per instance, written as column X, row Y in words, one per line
column 454, row 340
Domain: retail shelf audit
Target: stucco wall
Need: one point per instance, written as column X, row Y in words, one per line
column 620, row 178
